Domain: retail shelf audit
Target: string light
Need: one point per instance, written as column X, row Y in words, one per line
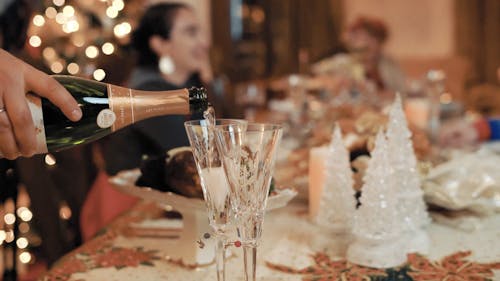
column 63, row 58
column 99, row 74
column 3, row 235
column 25, row 257
column 49, row 53
column 108, row 48
column 58, row 2
column 38, row 20
column 24, row 213
column 68, row 11
column 51, row 12
column 118, row 5
column 112, row 12
column 92, row 52
column 22, row 243
column 9, row 236
column 71, row 26
column 20, row 210
column 35, row 41
column 56, row 67
column 73, row 68
column 65, row 212
column 122, row 29
column 49, row 158
column 9, row 218
column 60, row 18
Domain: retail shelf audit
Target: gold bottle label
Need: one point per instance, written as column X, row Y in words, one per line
column 121, row 104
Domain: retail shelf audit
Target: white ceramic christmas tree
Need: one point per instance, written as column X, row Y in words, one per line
column 376, row 227
column 406, row 179
column 337, row 203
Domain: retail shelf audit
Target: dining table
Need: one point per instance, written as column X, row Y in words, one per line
column 143, row 243
column 292, row 248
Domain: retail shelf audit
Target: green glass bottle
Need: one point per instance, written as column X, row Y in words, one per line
column 106, row 108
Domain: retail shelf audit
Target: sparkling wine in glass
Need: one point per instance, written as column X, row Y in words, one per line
column 213, row 180
column 248, row 157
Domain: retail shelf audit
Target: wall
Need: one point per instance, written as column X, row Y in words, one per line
column 422, row 28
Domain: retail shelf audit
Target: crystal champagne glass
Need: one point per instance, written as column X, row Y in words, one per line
column 213, row 180
column 248, row 156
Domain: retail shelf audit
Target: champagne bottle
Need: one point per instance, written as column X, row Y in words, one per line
column 106, row 108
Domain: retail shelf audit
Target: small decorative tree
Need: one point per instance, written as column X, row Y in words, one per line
column 337, row 203
column 377, row 221
column 406, row 178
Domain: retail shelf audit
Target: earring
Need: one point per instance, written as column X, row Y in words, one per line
column 166, row 65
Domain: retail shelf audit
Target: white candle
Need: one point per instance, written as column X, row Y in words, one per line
column 417, row 111
column 317, row 160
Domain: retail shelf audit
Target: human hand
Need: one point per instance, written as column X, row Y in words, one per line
column 458, row 133
column 17, row 131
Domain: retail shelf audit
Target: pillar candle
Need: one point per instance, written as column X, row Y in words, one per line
column 417, row 111
column 317, row 161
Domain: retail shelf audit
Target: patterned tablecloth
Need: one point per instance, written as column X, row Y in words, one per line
column 287, row 253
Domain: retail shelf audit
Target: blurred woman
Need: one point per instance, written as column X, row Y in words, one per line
column 365, row 60
column 172, row 54
column 365, row 39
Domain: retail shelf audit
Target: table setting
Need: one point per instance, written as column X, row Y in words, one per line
column 306, row 209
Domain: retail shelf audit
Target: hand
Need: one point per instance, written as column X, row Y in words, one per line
column 17, row 131
column 457, row 134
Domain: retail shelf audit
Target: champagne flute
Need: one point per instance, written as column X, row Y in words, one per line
column 248, row 156
column 213, row 181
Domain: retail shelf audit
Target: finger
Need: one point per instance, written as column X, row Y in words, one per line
column 46, row 86
column 8, row 146
column 20, row 119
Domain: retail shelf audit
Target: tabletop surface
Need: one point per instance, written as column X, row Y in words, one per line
column 290, row 250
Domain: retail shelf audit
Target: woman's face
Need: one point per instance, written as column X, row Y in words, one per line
column 187, row 46
column 362, row 43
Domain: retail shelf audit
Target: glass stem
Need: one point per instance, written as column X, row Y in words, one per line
column 250, row 260
column 220, row 256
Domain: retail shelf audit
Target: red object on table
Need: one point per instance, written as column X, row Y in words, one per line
column 103, row 204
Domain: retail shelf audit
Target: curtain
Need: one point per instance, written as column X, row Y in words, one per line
column 478, row 37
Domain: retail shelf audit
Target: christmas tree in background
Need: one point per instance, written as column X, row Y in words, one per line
column 337, row 203
column 78, row 36
column 376, row 228
column 405, row 175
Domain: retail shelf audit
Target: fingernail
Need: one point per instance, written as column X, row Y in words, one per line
column 76, row 114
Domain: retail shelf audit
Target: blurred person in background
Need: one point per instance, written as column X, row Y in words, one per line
column 49, row 187
column 172, row 54
column 365, row 60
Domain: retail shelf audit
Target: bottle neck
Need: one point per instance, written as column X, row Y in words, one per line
column 198, row 100
column 130, row 106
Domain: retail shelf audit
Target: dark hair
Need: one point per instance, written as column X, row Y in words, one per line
column 375, row 27
column 157, row 20
column 14, row 22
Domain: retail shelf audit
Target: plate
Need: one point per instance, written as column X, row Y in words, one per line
column 125, row 182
